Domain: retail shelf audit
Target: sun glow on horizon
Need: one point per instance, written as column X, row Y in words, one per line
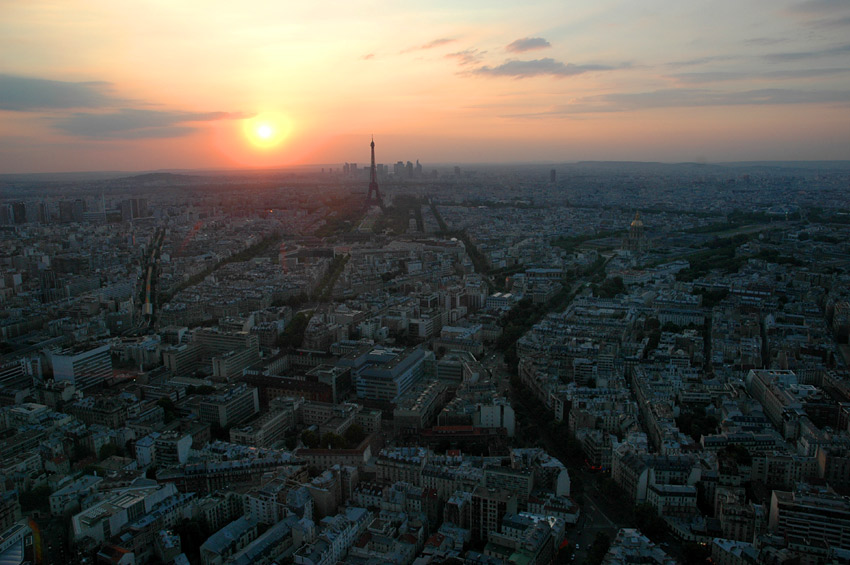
column 266, row 131
column 270, row 84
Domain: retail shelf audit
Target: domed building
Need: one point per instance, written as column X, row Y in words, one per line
column 636, row 242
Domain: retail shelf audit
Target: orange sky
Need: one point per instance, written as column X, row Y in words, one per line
column 104, row 85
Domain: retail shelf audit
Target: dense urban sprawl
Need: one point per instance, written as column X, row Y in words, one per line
column 596, row 363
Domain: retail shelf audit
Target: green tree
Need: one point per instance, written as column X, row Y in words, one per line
column 610, row 288
column 310, row 438
column 91, row 470
column 331, row 440
column 293, row 335
column 711, row 298
column 511, row 358
column 648, row 521
column 107, row 450
column 576, row 484
column 79, row 452
column 654, row 339
column 354, row 435
column 737, row 453
column 193, row 533
column 37, row 498
column 598, row 549
column 695, row 553
column 610, row 488
column 291, row 441
column 201, row 390
column 219, row 433
column 694, row 422
column 168, row 408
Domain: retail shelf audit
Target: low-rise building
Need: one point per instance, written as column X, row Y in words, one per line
column 228, row 541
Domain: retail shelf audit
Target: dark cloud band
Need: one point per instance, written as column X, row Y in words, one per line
column 131, row 123
column 539, row 67
column 690, row 98
column 527, row 44
column 26, row 94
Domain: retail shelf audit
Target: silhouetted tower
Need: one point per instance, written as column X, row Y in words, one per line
column 373, row 180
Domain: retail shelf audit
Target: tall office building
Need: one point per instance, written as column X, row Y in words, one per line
column 71, row 210
column 133, row 208
column 19, row 213
column 489, row 506
column 85, row 366
column 386, row 373
column 811, row 518
column 16, row 374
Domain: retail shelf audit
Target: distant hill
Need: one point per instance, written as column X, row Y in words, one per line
column 162, row 178
column 736, row 166
column 62, row 177
column 822, row 165
column 646, row 166
column 188, row 177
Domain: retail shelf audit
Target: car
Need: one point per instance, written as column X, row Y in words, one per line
column 578, row 547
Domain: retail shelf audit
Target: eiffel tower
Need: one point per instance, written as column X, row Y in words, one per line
column 373, row 182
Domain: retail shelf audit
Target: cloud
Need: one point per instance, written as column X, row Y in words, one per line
column 538, row 67
column 831, row 22
column 467, row 56
column 818, row 7
column 766, row 40
column 368, row 56
column 107, row 120
column 814, row 54
column 700, row 61
column 823, row 14
column 804, row 73
column 25, row 94
column 437, row 43
column 690, row 98
column 129, row 123
column 720, row 76
column 713, row 76
column 527, row 44
column 430, row 45
column 698, row 97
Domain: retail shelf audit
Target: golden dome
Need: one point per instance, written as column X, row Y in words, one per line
column 637, row 222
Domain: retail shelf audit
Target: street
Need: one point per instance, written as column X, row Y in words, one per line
column 593, row 519
column 596, row 511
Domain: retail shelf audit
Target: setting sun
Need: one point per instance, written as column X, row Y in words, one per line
column 266, row 131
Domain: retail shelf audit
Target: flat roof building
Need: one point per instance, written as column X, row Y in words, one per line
column 85, row 367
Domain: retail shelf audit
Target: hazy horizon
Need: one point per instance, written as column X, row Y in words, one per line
column 329, row 167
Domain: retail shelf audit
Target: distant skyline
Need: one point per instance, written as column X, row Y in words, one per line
column 102, row 85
